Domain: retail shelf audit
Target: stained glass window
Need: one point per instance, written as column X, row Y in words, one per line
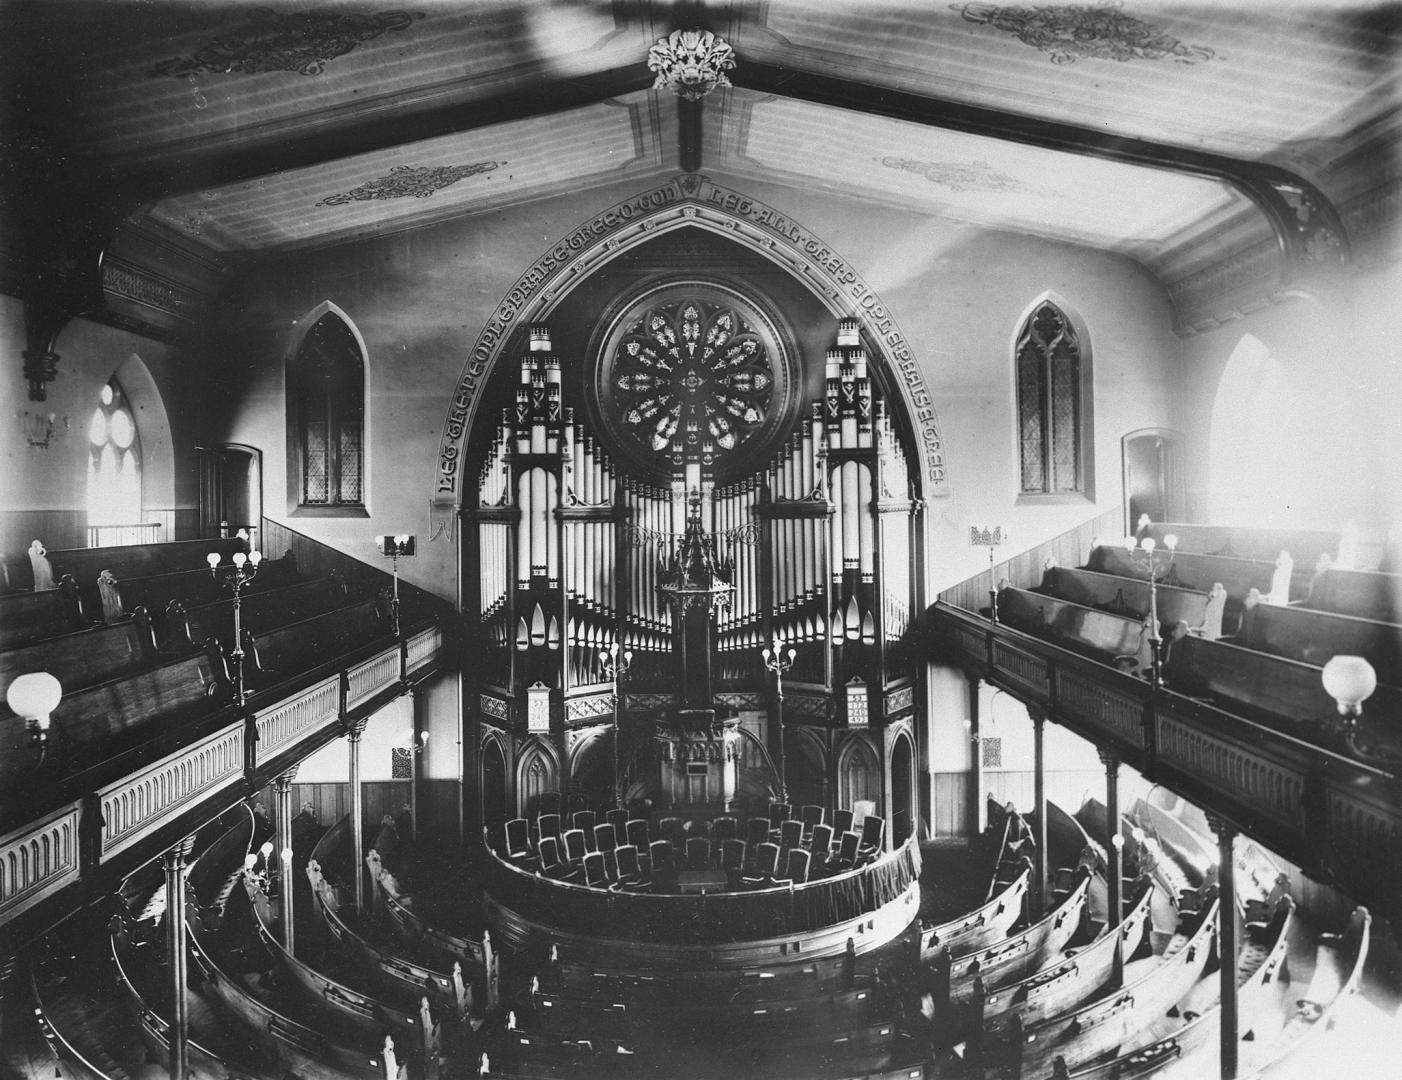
column 114, row 461
column 1049, row 406
column 328, row 383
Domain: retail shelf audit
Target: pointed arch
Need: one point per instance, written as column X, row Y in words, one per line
column 537, row 772
column 858, row 772
column 1052, row 385
column 326, row 369
column 695, row 202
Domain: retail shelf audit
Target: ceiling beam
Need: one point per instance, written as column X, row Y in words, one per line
column 200, row 169
column 1307, row 228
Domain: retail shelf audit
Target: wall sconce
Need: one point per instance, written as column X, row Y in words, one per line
column 395, row 548
column 34, row 696
column 991, row 537
column 40, row 429
column 1350, row 681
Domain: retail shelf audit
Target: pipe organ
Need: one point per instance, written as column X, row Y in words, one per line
column 817, row 537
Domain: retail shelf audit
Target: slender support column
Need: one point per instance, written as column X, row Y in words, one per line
column 1039, row 807
column 175, row 862
column 1227, row 942
column 357, row 816
column 1115, row 872
column 417, row 746
column 282, row 787
column 978, row 800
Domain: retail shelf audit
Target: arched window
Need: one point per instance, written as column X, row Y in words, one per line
column 326, row 391
column 114, row 467
column 1050, row 411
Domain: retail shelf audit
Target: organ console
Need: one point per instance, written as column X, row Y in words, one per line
column 814, row 540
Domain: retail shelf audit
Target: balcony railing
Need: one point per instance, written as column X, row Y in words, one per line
column 1338, row 818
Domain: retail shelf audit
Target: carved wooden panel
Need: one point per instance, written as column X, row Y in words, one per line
column 38, row 860
column 1029, row 672
column 1271, row 788
column 290, row 720
column 134, row 806
column 368, row 678
column 421, row 649
column 1089, row 699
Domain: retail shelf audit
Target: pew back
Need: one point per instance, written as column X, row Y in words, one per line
column 32, row 616
column 1201, row 611
column 1119, row 640
column 190, row 625
column 1365, row 594
column 190, row 588
column 83, row 658
column 1305, row 545
column 1314, row 637
column 277, row 653
column 139, row 560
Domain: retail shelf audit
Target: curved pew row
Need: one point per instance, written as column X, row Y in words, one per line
column 1182, row 1041
column 235, row 968
column 408, row 923
column 400, row 970
column 1005, row 900
column 83, row 658
column 375, row 1018
column 1102, row 1025
column 102, row 990
column 159, row 593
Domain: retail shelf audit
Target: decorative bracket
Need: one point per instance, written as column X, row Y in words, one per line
column 690, row 63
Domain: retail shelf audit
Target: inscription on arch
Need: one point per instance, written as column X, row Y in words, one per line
column 683, row 201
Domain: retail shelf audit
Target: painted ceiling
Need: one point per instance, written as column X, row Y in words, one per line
column 248, row 129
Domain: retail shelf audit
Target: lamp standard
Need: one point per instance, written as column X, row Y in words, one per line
column 615, row 665
column 236, row 575
column 779, row 660
column 1145, row 552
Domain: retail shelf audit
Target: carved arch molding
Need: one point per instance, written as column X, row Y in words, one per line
column 697, row 202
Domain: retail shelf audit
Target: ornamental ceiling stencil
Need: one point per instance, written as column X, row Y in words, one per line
column 302, row 42
column 406, row 181
column 690, row 379
column 958, row 176
column 1080, row 31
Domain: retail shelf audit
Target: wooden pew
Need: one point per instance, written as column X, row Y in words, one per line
column 1364, row 594
column 140, row 560
column 190, row 625
column 283, row 651
column 1118, row 640
column 1314, row 637
column 83, row 658
column 32, row 616
column 1261, row 686
column 118, row 596
column 1271, row 579
column 1068, row 982
column 92, row 724
column 1244, row 542
column 1201, row 612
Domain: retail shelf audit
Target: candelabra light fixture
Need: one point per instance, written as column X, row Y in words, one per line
column 236, row 576
column 779, row 660
column 41, row 429
column 615, row 666
column 403, row 546
column 1350, row 681
column 1146, row 552
column 34, row 696
column 991, row 537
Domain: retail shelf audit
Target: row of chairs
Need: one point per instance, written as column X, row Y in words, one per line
column 754, row 861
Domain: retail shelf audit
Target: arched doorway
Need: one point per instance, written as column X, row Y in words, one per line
column 494, row 808
column 859, row 776
column 807, row 769
column 593, row 771
column 535, row 776
column 903, row 808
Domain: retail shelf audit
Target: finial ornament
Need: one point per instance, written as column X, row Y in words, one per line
column 690, row 63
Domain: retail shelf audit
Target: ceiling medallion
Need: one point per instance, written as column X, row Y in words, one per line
column 405, row 181
column 957, row 176
column 690, row 63
column 1080, row 31
column 303, row 41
